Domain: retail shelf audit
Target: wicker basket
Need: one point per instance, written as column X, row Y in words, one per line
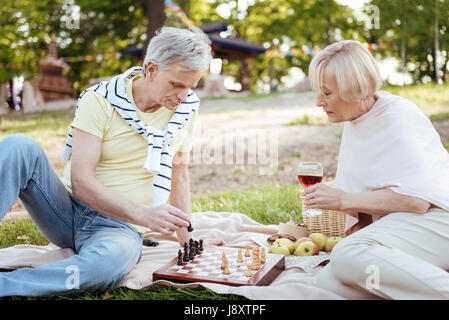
column 331, row 223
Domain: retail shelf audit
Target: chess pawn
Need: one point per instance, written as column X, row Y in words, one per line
column 239, row 256
column 226, row 270
column 248, row 272
column 247, row 254
column 262, row 255
column 255, row 265
column 224, row 263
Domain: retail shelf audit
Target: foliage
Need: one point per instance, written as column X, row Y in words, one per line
column 412, row 22
column 109, row 26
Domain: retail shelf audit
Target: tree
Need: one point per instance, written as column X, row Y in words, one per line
column 411, row 34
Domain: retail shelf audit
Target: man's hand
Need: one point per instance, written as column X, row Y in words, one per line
column 165, row 219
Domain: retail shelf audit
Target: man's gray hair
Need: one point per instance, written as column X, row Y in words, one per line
column 171, row 45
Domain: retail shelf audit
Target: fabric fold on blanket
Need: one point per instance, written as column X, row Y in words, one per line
column 235, row 229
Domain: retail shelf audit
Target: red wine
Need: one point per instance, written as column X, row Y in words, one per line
column 308, row 181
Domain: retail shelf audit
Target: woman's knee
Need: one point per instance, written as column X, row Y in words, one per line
column 345, row 260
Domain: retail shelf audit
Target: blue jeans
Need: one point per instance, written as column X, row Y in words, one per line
column 106, row 249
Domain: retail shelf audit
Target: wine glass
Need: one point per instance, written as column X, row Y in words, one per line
column 310, row 173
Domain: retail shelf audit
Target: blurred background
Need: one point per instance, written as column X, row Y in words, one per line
column 259, row 46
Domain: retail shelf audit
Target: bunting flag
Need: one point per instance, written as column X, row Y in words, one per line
column 175, row 9
column 305, row 50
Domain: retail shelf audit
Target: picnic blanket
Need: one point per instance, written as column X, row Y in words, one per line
column 235, row 229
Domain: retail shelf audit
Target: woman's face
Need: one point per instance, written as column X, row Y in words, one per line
column 336, row 108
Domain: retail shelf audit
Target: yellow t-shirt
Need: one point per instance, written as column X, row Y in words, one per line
column 124, row 151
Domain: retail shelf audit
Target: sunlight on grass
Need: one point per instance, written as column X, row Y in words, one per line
column 43, row 127
column 20, row 231
column 266, row 205
column 425, row 96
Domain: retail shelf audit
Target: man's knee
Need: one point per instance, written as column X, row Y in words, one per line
column 108, row 262
column 20, row 145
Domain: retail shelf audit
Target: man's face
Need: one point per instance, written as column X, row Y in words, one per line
column 170, row 87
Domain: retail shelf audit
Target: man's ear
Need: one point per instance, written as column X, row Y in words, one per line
column 151, row 69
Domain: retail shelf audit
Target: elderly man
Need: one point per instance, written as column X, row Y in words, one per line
column 127, row 154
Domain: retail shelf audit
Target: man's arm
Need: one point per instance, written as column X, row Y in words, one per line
column 86, row 151
column 180, row 191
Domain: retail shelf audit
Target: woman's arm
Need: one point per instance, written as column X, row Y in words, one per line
column 377, row 203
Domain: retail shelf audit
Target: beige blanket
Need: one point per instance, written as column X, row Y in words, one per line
column 234, row 228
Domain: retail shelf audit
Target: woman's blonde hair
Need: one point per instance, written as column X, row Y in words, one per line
column 353, row 67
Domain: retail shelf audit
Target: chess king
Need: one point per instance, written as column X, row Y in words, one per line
column 127, row 171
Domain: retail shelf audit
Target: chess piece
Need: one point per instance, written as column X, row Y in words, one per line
column 239, row 256
column 197, row 247
column 180, row 262
column 247, row 254
column 190, row 228
column 224, row 261
column 226, row 270
column 191, row 252
column 248, row 272
column 186, row 253
column 262, row 255
column 201, row 245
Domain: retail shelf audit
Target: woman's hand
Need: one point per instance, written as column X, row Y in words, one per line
column 322, row 196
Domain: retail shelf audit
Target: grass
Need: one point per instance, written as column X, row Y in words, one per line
column 437, row 117
column 309, row 120
column 266, row 205
column 43, row 126
column 425, row 96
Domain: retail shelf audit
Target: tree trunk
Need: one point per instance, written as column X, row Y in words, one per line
column 403, row 39
column 437, row 44
column 328, row 30
column 155, row 12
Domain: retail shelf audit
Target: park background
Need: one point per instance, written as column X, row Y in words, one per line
column 51, row 50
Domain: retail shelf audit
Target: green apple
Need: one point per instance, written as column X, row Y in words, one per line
column 331, row 242
column 301, row 240
column 320, row 239
column 286, row 243
column 279, row 249
column 307, row 248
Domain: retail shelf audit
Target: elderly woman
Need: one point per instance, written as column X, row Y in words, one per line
column 393, row 170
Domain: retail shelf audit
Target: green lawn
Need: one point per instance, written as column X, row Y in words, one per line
column 267, row 205
column 425, row 96
column 43, row 127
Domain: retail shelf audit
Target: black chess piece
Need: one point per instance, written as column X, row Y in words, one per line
column 186, row 253
column 180, row 262
column 201, row 245
column 197, row 247
column 190, row 228
column 191, row 253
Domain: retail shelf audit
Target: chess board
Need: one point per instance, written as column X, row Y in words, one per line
column 206, row 267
